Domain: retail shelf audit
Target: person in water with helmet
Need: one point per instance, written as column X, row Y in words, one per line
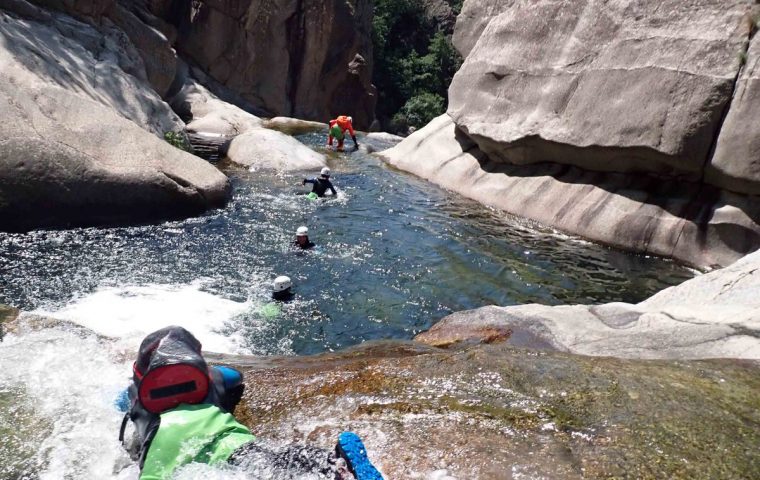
column 181, row 409
column 282, row 289
column 302, row 239
column 321, row 183
column 338, row 129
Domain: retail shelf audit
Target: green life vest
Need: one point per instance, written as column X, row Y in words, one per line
column 336, row 132
column 193, row 433
column 270, row 311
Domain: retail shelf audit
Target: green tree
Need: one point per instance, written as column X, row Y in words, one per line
column 414, row 63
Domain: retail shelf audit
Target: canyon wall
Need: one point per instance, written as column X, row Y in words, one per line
column 634, row 115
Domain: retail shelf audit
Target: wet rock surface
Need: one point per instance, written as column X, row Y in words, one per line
column 716, row 315
column 499, row 412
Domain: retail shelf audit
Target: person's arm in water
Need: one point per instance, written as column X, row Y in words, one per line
column 309, row 180
column 330, row 186
column 353, row 136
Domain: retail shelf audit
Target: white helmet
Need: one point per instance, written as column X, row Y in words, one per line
column 350, row 119
column 281, row 284
column 325, row 171
column 302, row 232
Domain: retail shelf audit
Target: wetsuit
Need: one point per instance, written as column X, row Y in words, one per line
column 206, row 431
column 338, row 129
column 309, row 244
column 321, row 185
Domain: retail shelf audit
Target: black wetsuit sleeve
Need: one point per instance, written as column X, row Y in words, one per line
column 309, row 180
column 332, row 189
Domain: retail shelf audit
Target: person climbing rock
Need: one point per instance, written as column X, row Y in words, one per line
column 181, row 410
column 302, row 239
column 321, row 183
column 282, row 289
column 338, row 129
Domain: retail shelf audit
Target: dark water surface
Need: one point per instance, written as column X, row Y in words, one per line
column 395, row 254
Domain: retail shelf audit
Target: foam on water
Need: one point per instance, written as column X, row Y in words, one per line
column 131, row 312
column 69, row 381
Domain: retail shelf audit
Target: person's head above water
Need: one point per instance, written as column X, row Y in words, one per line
column 281, row 288
column 325, row 172
column 302, row 236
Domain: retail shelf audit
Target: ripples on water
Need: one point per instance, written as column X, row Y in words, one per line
column 394, row 255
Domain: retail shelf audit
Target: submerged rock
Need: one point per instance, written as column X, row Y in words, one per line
column 498, row 412
column 716, row 315
column 272, row 150
column 8, row 315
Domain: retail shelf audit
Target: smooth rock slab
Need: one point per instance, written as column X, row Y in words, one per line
column 67, row 161
column 100, row 65
column 207, row 114
column 271, row 150
column 294, row 126
column 699, row 225
column 614, row 86
column 716, row 315
column 736, row 163
column 486, row 411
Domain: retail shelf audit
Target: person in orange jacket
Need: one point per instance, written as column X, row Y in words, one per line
column 338, row 129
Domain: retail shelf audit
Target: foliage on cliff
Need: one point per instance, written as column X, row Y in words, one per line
column 414, row 60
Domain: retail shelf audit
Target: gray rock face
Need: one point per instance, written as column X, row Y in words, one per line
column 72, row 150
column 271, row 150
column 473, row 19
column 294, row 126
column 736, row 163
column 699, row 225
column 617, row 86
column 716, row 315
column 206, row 113
column 101, row 65
column 292, row 58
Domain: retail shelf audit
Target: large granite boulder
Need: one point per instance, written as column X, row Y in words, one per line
column 699, row 225
column 265, row 149
column 81, row 142
column 294, row 126
column 146, row 33
column 293, row 58
column 736, row 163
column 716, row 315
column 615, row 86
column 205, row 113
column 100, row 64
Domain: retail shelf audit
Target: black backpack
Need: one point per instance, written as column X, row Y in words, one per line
column 170, row 370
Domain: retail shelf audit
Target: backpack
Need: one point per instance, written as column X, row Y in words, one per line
column 170, row 370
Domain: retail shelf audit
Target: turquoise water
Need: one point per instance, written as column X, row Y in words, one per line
column 394, row 255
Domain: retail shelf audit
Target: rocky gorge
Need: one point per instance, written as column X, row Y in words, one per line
column 627, row 123
column 622, row 122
